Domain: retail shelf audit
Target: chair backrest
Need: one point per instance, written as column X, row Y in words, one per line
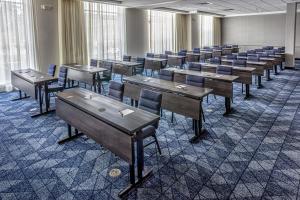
column 168, row 52
column 215, row 61
column 194, row 66
column 150, row 55
column 231, row 57
column 51, row 70
column 196, row 50
column 242, row 54
column 240, row 63
column 234, row 46
column 140, row 60
column 108, row 66
column 258, row 50
column 242, row 58
column 164, row 56
column 226, row 70
column 150, row 101
column 62, row 76
column 268, row 48
column 182, row 53
column 166, row 75
column 94, row 63
column 253, row 58
column 126, row 58
column 195, row 80
column 183, row 50
column 116, row 90
column 250, row 51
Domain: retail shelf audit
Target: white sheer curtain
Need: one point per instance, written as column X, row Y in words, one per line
column 106, row 29
column 206, row 30
column 17, row 38
column 162, row 31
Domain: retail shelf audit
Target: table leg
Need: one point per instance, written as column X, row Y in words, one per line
column 247, row 91
column 197, row 125
column 20, row 96
column 281, row 66
column 227, row 106
column 259, row 85
column 268, row 75
column 47, row 101
column 275, row 70
column 70, row 136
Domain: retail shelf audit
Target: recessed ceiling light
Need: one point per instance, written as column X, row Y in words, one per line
column 204, row 3
column 228, row 9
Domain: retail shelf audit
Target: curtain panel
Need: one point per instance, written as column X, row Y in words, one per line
column 17, row 39
column 162, row 31
column 72, row 37
column 106, row 30
column 216, row 31
column 206, row 30
column 181, row 39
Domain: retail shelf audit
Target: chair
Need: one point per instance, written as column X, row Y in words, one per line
column 253, row 58
column 94, row 63
column 140, row 68
column 251, row 52
column 240, row 63
column 231, row 57
column 168, row 52
column 164, row 63
column 106, row 75
column 150, row 55
column 196, row 50
column 150, row 101
column 197, row 81
column 126, row 58
column 259, row 50
column 60, row 84
column 224, row 70
column 194, row 66
column 215, row 61
column 183, row 50
column 116, row 90
column 51, row 70
column 182, row 53
column 242, row 54
column 166, row 75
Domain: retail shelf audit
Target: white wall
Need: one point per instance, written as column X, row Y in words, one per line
column 251, row 32
column 137, row 32
column 47, row 33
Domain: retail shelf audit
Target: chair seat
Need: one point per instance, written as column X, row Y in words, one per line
column 148, row 131
column 55, row 87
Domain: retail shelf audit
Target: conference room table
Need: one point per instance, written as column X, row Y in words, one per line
column 110, row 123
column 227, row 51
column 178, row 98
column 32, row 82
column 154, row 64
column 260, row 67
column 244, row 74
column 85, row 74
column 126, row 68
column 222, row 85
column 176, row 60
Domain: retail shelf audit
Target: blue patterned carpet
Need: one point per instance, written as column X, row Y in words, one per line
column 253, row 153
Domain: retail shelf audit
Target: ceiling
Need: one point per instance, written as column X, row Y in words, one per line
column 214, row 6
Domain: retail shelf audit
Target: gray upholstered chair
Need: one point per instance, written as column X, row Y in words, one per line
column 251, row 52
column 231, row 57
column 196, row 50
column 194, row 66
column 253, row 58
column 51, row 70
column 215, row 61
column 116, row 90
column 242, row 54
column 168, row 52
column 150, row 101
column 197, row 81
column 140, row 68
column 126, row 58
column 150, row 55
column 164, row 63
column 166, row 75
column 226, row 70
column 94, row 63
column 240, row 63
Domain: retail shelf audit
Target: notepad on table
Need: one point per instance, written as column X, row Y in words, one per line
column 126, row 112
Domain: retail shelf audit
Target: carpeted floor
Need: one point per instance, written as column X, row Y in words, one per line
column 254, row 153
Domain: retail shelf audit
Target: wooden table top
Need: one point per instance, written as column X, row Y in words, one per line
column 156, row 59
column 33, row 76
column 125, row 63
column 108, row 110
column 248, row 62
column 176, row 56
column 198, row 54
column 170, row 86
column 221, row 77
column 250, row 69
column 85, row 68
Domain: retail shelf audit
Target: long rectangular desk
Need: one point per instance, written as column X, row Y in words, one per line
column 244, row 74
column 122, row 67
column 101, row 119
column 196, row 57
column 155, row 64
column 227, row 51
column 222, row 85
column 208, row 54
column 176, row 60
column 176, row 97
column 31, row 83
column 85, row 74
column 259, row 66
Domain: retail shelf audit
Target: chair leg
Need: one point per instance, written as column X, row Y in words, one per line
column 202, row 112
column 207, row 98
column 242, row 88
column 172, row 118
column 157, row 144
column 215, row 96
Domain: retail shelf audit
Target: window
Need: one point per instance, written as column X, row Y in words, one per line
column 206, row 30
column 17, row 40
column 162, row 31
column 105, row 28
